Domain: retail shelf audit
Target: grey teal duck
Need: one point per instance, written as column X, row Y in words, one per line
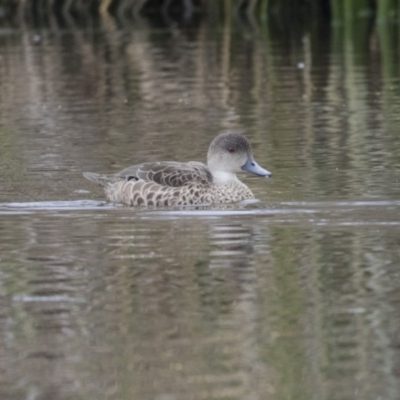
column 170, row 183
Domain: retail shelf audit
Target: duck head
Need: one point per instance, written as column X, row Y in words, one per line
column 231, row 153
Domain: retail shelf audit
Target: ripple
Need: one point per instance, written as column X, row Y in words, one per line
column 344, row 213
column 27, row 207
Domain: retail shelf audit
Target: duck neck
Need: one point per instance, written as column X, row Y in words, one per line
column 224, row 177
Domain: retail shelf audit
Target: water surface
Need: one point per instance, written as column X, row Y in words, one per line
column 295, row 296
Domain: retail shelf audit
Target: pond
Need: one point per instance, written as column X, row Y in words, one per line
column 293, row 296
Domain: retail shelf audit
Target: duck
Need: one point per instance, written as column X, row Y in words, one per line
column 172, row 183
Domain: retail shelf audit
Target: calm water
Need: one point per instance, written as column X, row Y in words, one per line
column 296, row 296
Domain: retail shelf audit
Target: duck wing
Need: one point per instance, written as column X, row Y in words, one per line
column 168, row 173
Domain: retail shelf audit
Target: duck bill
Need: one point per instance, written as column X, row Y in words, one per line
column 252, row 167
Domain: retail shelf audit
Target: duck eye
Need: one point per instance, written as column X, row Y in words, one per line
column 231, row 149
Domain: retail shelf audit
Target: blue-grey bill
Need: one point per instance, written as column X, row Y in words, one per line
column 252, row 167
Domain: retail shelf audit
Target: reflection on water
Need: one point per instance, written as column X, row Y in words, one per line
column 291, row 297
column 123, row 304
column 103, row 98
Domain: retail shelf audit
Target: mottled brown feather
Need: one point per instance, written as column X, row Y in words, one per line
column 169, row 173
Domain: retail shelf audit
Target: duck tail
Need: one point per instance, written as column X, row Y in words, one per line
column 101, row 180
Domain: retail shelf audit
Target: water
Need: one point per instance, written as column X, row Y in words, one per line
column 293, row 296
